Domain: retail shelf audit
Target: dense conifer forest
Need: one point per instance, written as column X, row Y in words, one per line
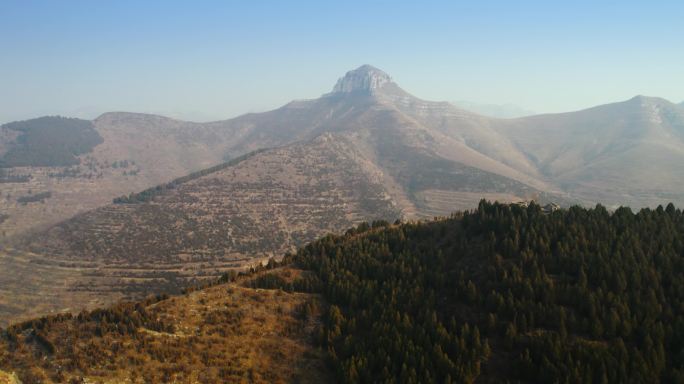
column 49, row 141
column 506, row 293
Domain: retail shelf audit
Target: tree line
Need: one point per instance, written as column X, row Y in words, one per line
column 149, row 193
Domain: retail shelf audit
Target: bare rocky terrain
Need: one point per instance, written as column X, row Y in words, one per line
column 368, row 150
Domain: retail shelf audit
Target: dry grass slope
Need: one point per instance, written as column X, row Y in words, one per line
column 225, row 333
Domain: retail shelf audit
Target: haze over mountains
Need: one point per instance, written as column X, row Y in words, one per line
column 367, row 150
column 503, row 111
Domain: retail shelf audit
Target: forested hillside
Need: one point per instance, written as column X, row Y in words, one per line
column 507, row 294
column 49, row 141
column 501, row 294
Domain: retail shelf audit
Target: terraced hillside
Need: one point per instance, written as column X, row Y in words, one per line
column 266, row 205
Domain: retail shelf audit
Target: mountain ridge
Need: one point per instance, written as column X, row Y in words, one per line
column 164, row 148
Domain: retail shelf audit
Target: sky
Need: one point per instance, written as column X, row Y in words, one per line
column 210, row 60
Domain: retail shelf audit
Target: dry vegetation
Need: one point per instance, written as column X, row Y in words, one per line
column 50, row 194
column 241, row 215
column 137, row 152
column 29, row 289
column 224, row 333
column 8, row 378
column 266, row 205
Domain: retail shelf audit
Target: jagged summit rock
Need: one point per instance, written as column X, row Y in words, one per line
column 648, row 100
column 364, row 79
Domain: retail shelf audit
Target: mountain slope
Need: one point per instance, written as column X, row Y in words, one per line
column 503, row 293
column 226, row 333
column 506, row 294
column 264, row 205
column 130, row 152
column 621, row 153
column 139, row 151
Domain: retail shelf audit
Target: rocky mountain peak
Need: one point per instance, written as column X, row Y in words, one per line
column 365, row 79
column 647, row 101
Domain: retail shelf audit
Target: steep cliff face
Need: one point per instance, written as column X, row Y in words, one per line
column 365, row 79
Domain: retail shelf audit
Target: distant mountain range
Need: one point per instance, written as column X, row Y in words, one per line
column 367, row 150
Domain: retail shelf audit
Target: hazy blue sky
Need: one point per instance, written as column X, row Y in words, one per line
column 207, row 60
